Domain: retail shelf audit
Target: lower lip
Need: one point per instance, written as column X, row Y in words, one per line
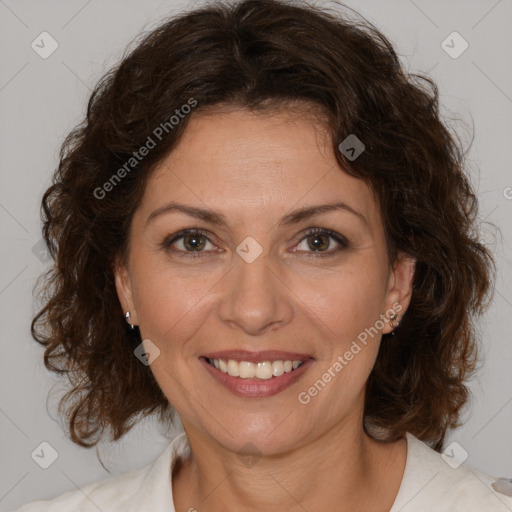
column 256, row 388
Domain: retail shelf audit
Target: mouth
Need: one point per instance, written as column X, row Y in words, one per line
column 256, row 375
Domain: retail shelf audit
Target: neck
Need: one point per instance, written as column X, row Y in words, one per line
column 344, row 469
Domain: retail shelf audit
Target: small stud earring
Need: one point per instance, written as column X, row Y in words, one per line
column 393, row 322
column 128, row 319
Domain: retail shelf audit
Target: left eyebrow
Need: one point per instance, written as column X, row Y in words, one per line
column 310, row 211
column 291, row 218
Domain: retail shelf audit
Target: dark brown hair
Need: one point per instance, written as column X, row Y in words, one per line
column 265, row 54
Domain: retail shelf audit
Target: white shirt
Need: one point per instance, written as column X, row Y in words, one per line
column 429, row 484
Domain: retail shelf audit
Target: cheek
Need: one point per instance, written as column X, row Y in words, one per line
column 170, row 307
column 345, row 301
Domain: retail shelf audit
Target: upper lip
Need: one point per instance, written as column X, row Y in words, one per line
column 256, row 357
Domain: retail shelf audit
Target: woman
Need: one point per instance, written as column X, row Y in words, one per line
column 264, row 226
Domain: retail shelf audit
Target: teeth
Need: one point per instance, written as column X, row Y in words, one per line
column 247, row 370
column 233, row 369
column 263, row 370
column 277, row 368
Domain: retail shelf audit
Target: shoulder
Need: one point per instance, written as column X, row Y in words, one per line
column 147, row 488
column 434, row 481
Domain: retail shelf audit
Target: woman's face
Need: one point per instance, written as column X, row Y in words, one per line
column 253, row 280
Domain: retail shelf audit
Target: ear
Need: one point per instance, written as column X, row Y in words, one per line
column 124, row 289
column 398, row 295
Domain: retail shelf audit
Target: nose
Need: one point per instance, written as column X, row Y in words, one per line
column 255, row 299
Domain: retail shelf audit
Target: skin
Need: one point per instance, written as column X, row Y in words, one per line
column 255, row 168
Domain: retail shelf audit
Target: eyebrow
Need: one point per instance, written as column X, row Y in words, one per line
column 218, row 218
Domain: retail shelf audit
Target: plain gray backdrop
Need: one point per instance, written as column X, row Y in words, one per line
column 42, row 99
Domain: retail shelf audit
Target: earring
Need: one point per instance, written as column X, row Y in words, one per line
column 128, row 319
column 393, row 322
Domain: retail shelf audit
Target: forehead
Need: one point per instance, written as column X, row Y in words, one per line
column 241, row 161
column 244, row 145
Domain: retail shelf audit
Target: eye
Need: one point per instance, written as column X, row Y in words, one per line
column 319, row 240
column 191, row 241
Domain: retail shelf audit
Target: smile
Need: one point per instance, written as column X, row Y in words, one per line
column 255, row 379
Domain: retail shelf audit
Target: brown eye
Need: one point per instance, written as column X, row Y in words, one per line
column 188, row 241
column 319, row 241
column 194, row 242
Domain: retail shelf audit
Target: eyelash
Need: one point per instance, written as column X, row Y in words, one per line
column 341, row 240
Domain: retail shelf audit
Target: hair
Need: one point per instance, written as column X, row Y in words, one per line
column 264, row 55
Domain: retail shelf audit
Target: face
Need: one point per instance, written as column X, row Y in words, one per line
column 253, row 277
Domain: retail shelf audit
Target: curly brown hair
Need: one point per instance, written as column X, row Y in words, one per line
column 265, row 54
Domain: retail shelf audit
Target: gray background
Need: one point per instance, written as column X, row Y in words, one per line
column 41, row 100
